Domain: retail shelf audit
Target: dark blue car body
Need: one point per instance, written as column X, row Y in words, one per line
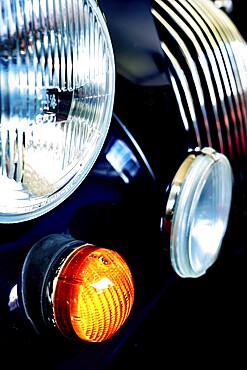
column 170, row 314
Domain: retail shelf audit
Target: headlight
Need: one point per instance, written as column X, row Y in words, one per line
column 76, row 289
column 198, row 207
column 57, row 81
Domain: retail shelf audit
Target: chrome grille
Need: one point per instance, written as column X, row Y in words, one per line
column 207, row 64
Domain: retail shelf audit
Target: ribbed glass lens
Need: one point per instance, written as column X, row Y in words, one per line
column 57, row 80
column 93, row 294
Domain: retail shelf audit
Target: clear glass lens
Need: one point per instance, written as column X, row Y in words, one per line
column 207, row 226
column 57, row 80
column 201, row 215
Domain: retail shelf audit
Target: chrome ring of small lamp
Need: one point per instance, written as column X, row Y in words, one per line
column 201, row 186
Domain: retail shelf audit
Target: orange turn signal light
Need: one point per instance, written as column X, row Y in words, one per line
column 94, row 293
column 84, row 291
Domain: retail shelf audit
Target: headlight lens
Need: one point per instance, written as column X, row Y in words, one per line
column 199, row 204
column 57, row 81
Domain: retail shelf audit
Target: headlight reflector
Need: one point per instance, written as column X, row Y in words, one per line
column 57, row 84
column 199, row 204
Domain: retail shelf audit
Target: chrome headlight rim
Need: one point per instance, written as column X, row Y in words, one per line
column 199, row 178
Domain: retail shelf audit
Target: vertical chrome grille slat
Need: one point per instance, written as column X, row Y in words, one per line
column 236, row 48
column 187, row 93
column 200, row 57
column 202, row 47
column 193, row 70
column 219, row 72
column 224, row 40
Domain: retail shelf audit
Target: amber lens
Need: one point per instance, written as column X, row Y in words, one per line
column 94, row 294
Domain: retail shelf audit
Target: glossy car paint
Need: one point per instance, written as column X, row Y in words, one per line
column 120, row 210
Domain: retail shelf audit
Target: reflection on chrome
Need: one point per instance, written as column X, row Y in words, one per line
column 226, row 5
column 123, row 160
column 13, row 298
